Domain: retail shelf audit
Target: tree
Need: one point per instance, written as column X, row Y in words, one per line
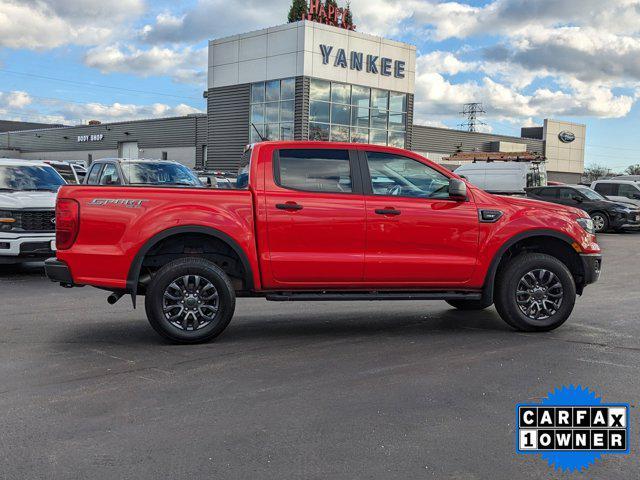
column 298, row 8
column 633, row 170
column 348, row 19
column 595, row 172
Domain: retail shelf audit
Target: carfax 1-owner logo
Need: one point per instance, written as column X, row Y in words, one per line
column 572, row 428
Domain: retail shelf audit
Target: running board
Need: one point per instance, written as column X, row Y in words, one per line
column 351, row 296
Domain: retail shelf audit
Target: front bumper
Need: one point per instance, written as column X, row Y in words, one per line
column 592, row 264
column 58, row 271
column 624, row 220
column 22, row 248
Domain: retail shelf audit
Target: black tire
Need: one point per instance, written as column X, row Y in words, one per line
column 164, row 282
column 600, row 221
column 509, row 279
column 469, row 304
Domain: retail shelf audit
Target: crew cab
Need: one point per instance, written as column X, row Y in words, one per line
column 27, row 210
column 324, row 221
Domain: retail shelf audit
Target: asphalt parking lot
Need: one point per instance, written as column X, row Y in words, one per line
column 301, row 390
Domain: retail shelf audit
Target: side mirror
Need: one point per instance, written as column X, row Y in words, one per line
column 457, row 189
column 578, row 198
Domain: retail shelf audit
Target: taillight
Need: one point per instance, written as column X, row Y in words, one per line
column 67, row 222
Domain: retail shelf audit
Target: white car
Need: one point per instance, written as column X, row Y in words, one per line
column 504, row 177
column 623, row 191
column 28, row 192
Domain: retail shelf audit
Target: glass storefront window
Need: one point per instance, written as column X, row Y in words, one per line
column 379, row 118
column 320, row 90
column 319, row 111
column 353, row 113
column 287, row 89
column 339, row 133
column 397, row 121
column 273, row 91
column 272, row 110
column 257, row 92
column 378, row 137
column 340, row 93
column 340, row 114
column 360, row 135
column 397, row 102
column 319, row 131
column 286, row 111
column 360, row 96
column 380, row 99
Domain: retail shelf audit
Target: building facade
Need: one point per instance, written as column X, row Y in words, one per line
column 302, row 81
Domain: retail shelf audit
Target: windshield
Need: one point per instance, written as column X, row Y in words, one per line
column 36, row 177
column 66, row 172
column 159, row 174
column 591, row 194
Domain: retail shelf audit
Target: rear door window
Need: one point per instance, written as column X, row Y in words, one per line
column 315, row 170
column 110, row 175
column 94, row 174
column 628, row 191
column 604, row 188
column 548, row 193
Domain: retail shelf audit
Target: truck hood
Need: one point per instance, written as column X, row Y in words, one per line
column 24, row 199
column 530, row 203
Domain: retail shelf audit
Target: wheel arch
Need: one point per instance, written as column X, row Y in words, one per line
column 133, row 275
column 523, row 239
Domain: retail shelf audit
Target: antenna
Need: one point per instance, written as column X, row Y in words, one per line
column 471, row 111
column 257, row 131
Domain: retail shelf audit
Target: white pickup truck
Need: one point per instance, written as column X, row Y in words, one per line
column 28, row 192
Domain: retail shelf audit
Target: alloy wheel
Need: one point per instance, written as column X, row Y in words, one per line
column 190, row 302
column 598, row 222
column 539, row 294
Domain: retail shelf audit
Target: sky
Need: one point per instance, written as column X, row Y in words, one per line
column 70, row 61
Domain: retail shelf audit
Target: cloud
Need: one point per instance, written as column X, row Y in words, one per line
column 19, row 105
column 213, row 19
column 185, row 65
column 46, row 24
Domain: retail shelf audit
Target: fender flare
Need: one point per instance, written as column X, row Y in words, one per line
column 489, row 282
column 134, row 270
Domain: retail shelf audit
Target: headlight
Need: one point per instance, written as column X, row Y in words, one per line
column 6, row 220
column 586, row 224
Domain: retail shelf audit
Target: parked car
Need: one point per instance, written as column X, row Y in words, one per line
column 623, row 191
column 121, row 171
column 325, row 221
column 27, row 216
column 216, row 179
column 605, row 213
column 633, row 178
column 504, row 177
column 71, row 172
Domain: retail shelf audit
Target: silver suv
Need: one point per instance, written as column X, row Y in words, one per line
column 625, row 191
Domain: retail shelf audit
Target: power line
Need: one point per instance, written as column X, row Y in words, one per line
column 471, row 110
column 75, row 82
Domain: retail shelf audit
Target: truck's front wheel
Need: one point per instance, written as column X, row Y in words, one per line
column 535, row 292
column 190, row 300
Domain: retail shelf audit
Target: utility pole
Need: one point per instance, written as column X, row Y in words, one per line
column 471, row 111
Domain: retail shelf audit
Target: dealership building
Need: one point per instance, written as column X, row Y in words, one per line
column 302, row 80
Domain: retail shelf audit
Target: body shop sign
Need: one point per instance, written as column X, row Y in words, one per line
column 96, row 137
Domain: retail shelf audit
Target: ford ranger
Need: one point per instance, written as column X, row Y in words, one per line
column 324, row 221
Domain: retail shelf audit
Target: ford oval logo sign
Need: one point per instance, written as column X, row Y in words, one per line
column 566, row 136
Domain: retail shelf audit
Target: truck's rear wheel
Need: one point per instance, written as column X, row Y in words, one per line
column 190, row 300
column 535, row 293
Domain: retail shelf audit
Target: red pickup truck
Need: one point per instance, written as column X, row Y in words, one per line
column 324, row 221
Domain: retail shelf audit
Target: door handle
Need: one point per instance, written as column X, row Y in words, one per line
column 388, row 211
column 291, row 206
